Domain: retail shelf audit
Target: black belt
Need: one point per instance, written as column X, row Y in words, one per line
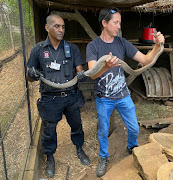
column 99, row 95
column 59, row 94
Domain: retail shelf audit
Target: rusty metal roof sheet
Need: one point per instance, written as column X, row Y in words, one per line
column 158, row 82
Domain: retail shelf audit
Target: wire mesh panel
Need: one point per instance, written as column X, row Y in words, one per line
column 16, row 144
column 15, row 130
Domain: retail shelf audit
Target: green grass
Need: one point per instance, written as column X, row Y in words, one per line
column 149, row 111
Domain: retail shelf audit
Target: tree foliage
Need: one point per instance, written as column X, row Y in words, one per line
column 11, row 7
column 10, row 20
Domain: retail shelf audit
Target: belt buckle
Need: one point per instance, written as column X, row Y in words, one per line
column 63, row 94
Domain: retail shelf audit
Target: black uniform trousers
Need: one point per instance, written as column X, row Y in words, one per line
column 51, row 108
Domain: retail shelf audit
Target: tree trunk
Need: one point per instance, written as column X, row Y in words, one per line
column 11, row 33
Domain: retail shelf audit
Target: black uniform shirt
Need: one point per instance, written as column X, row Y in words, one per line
column 36, row 57
column 42, row 54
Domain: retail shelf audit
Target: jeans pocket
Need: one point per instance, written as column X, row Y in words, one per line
column 46, row 99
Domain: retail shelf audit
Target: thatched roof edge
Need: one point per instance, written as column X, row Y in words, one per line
column 164, row 6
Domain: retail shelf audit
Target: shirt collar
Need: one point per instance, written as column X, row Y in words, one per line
column 47, row 42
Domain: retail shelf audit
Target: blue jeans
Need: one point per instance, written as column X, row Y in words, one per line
column 126, row 109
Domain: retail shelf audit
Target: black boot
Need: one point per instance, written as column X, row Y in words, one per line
column 82, row 156
column 101, row 168
column 129, row 150
column 50, row 166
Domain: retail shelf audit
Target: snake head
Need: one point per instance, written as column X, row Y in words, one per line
column 155, row 32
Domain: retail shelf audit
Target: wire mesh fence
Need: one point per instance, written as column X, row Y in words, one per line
column 15, row 135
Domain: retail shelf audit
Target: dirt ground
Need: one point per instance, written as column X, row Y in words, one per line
column 65, row 156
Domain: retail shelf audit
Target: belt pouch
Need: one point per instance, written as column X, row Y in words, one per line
column 66, row 68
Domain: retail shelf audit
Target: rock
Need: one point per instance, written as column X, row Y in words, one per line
column 118, row 139
column 147, row 159
column 168, row 129
column 165, row 171
column 124, row 170
column 165, row 140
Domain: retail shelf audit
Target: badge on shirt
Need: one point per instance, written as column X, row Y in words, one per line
column 55, row 66
column 46, row 54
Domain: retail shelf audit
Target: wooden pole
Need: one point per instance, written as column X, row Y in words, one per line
column 171, row 60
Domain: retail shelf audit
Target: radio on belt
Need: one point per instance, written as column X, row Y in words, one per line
column 67, row 50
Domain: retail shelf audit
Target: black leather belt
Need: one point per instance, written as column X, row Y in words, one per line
column 58, row 94
column 99, row 95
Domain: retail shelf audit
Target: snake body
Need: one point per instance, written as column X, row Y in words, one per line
column 99, row 65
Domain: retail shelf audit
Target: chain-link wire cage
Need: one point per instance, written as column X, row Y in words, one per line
column 15, row 135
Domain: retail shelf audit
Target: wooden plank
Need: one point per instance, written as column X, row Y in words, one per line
column 156, row 123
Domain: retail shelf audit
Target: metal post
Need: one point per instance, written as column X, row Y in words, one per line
column 3, row 154
column 24, row 57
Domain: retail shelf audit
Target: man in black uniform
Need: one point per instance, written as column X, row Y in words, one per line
column 58, row 61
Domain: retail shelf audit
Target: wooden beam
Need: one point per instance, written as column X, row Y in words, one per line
column 78, row 17
column 80, row 41
column 151, row 47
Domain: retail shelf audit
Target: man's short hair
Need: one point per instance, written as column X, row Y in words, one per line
column 106, row 14
column 53, row 14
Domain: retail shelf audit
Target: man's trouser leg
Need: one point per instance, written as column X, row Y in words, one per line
column 73, row 117
column 50, row 114
column 126, row 109
column 104, row 109
column 72, row 113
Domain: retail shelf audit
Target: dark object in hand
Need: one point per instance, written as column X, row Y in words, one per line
column 81, row 76
column 34, row 74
